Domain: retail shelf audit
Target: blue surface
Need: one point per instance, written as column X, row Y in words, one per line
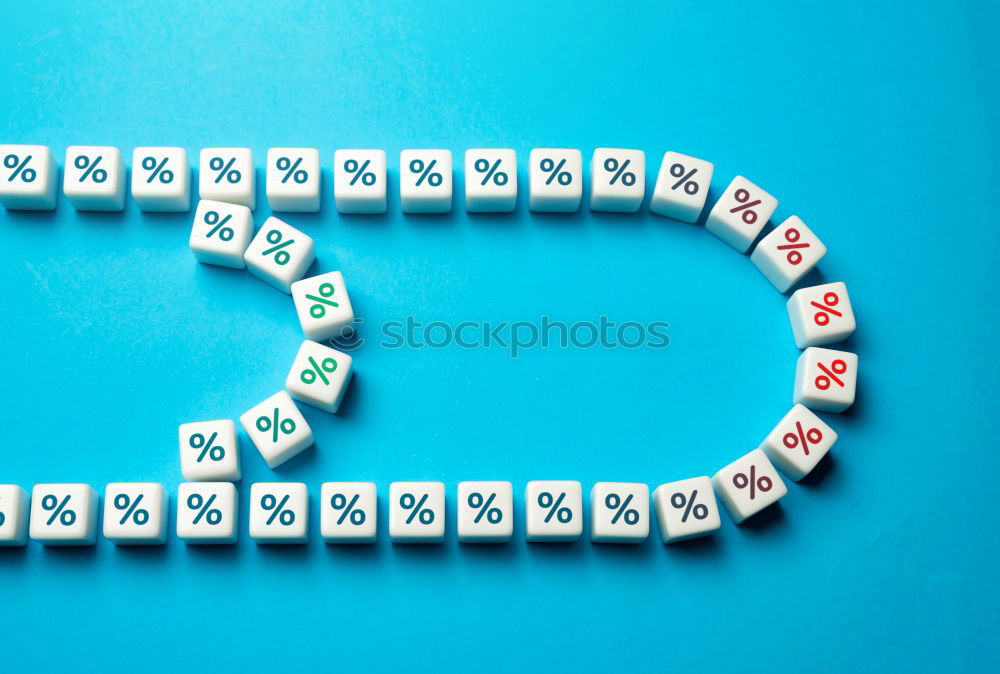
column 875, row 124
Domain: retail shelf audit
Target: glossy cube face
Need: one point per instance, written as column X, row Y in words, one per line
column 13, row 515
column 359, row 181
column 686, row 509
column 207, row 512
column 161, row 179
column 277, row 429
column 94, row 178
column 293, row 179
column 28, row 177
column 279, row 255
column 799, row 441
column 485, row 511
column 227, row 174
column 416, row 512
column 319, row 376
column 681, row 187
column 490, row 180
column 741, row 213
column 553, row 510
column 748, row 485
column 221, row 233
column 348, row 512
column 788, row 253
column 555, row 180
column 323, row 306
column 619, row 512
column 209, row 451
column 279, row 512
column 63, row 514
column 821, row 315
column 617, row 180
column 425, row 181
column 135, row 513
column 826, row 379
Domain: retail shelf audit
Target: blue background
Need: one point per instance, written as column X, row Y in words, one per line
column 876, row 123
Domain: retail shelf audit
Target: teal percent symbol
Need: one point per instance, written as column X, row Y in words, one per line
column 356, row 515
column 165, row 175
column 20, row 167
column 224, row 170
column 361, row 173
column 132, row 510
column 292, row 171
column 207, row 447
column 197, row 502
column 89, row 168
column 555, row 171
column 274, row 238
column 483, row 507
column 217, row 225
column 622, row 511
column 59, row 510
column 426, row 172
column 483, row 166
column 552, row 505
column 612, row 166
column 416, row 508
column 284, row 516
column 326, row 291
column 276, row 425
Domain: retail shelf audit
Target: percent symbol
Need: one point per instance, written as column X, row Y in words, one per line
column 562, row 514
column 690, row 186
column 491, row 173
column 822, row 317
column 281, row 257
column 836, row 367
column 326, row 291
column 340, row 502
column 285, row 516
column 555, row 171
column 484, row 509
column 679, row 501
column 207, row 447
column 59, row 510
column 743, row 197
column 224, row 170
column 132, row 510
column 292, row 170
column 433, row 178
column 277, row 425
column 802, row 438
column 205, row 510
column 622, row 511
column 21, row 167
column 213, row 221
column 326, row 366
column 792, row 235
column 416, row 508
column 359, row 172
column 166, row 176
column 611, row 165
column 89, row 168
column 741, row 481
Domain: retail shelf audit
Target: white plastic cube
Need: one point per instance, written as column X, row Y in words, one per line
column 135, row 513
column 798, row 442
column 210, row 451
column 490, row 180
column 788, row 253
column 826, row 379
column 323, row 306
column 416, row 512
column 348, row 512
column 425, row 181
column 748, row 485
column 821, row 315
column 686, row 509
column 319, row 376
column 277, row 429
column 207, row 512
column 279, row 512
column 94, row 178
column 555, row 180
column 485, row 511
column 619, row 512
column 221, row 233
column 28, row 179
column 227, row 174
column 553, row 510
column 359, row 181
column 293, row 179
column 63, row 514
column 13, row 515
column 617, row 180
column 681, row 187
column 741, row 213
column 161, row 179
column 279, row 255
